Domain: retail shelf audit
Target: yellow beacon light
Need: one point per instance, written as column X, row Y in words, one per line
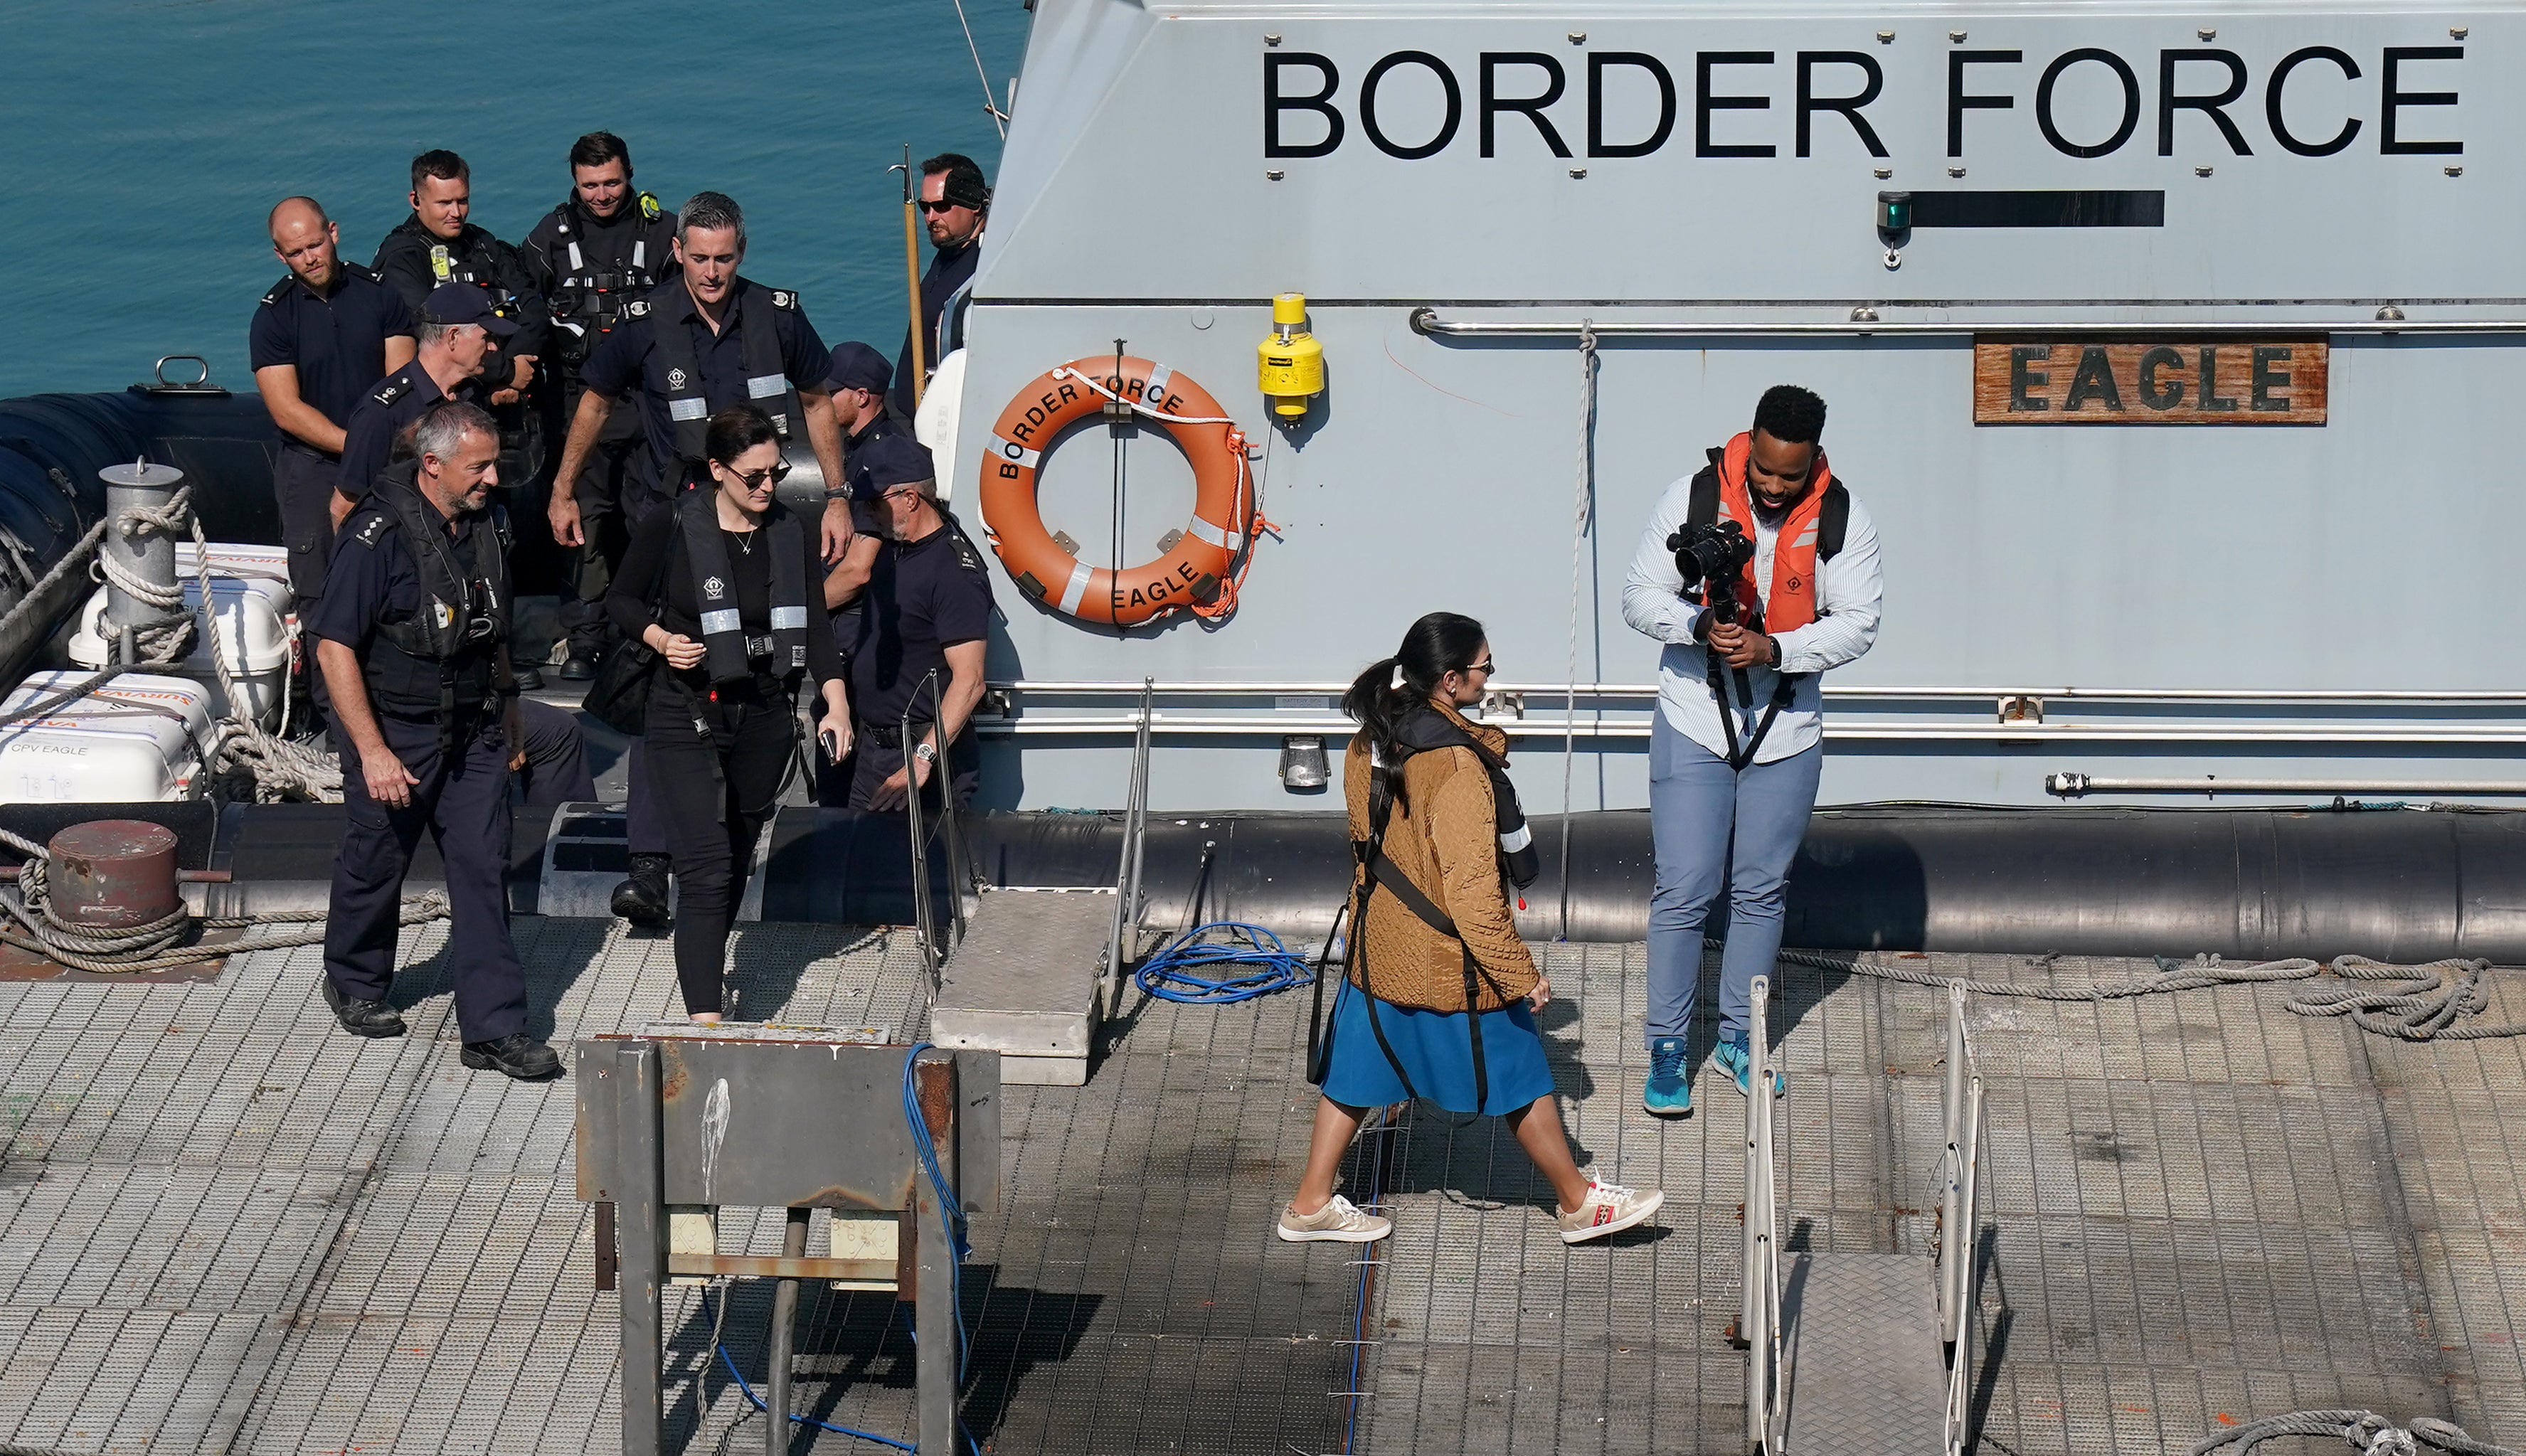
column 1292, row 368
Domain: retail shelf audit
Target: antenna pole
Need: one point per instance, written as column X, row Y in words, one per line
column 912, row 274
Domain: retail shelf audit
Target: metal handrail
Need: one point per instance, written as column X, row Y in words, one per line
column 1864, row 323
column 924, row 914
column 1959, row 1215
column 1960, row 1361
column 960, row 869
column 1759, row 1314
column 1126, row 870
column 1098, row 687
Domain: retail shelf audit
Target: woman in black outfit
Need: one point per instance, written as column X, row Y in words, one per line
column 726, row 588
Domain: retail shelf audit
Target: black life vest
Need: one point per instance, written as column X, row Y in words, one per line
column 590, row 293
column 731, row 653
column 767, row 378
column 442, row 660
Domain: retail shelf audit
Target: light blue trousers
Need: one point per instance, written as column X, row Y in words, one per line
column 1714, row 829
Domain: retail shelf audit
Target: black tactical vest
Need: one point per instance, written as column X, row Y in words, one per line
column 767, row 380
column 442, row 661
column 589, row 293
column 734, row 655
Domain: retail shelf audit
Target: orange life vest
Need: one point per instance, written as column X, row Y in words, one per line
column 1793, row 599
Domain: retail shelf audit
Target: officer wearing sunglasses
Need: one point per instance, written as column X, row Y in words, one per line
column 955, row 203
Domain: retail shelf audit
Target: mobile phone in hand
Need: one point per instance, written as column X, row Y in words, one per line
column 833, row 742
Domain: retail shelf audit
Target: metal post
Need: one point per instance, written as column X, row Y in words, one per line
column 1140, row 799
column 921, row 908
column 1969, row 1283
column 951, row 827
column 785, row 1320
column 1952, row 1211
column 641, row 1227
column 934, row 1317
column 1126, row 869
column 1763, row 1305
column 147, row 555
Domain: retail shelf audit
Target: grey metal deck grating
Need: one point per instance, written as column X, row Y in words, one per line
column 226, row 1227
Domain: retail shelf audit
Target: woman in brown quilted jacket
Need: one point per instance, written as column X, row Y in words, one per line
column 1439, row 994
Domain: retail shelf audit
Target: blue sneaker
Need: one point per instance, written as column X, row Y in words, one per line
column 1734, row 1059
column 1668, row 1093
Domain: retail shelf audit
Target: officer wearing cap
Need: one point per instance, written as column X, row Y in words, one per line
column 955, row 203
column 322, row 338
column 606, row 244
column 461, row 338
column 928, row 610
column 858, row 381
column 412, row 639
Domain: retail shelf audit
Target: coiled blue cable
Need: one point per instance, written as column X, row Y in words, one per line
column 1246, row 961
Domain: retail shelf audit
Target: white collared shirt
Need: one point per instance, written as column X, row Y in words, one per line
column 1850, row 590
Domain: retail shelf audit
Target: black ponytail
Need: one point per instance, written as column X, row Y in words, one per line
column 1437, row 644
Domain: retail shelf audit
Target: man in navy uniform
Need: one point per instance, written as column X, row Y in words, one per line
column 702, row 343
column 605, row 245
column 437, row 245
column 955, row 203
column 929, row 608
column 322, row 338
column 412, row 637
column 461, row 338
column 858, row 381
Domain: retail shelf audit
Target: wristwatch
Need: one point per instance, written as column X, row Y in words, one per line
column 925, row 752
column 1776, row 651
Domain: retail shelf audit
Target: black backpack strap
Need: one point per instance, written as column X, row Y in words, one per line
column 1702, row 506
column 1833, row 522
column 1383, row 871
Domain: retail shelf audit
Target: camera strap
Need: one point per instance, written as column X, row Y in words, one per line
column 1783, row 692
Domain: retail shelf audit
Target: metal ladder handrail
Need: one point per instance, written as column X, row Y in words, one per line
column 924, row 914
column 1959, row 1217
column 1759, row 1314
column 1126, row 870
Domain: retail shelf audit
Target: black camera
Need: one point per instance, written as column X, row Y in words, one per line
column 1710, row 557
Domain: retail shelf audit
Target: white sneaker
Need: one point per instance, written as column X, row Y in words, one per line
column 1337, row 1221
column 1609, row 1209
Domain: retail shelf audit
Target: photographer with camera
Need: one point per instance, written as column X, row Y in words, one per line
column 1758, row 573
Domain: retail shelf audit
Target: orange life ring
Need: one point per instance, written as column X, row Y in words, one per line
column 1193, row 574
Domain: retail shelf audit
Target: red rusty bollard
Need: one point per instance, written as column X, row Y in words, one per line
column 114, row 873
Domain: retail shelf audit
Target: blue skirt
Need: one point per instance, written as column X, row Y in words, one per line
column 1437, row 1051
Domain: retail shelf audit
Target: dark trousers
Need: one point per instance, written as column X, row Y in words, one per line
column 879, row 752
column 303, row 480
column 556, row 767
column 463, row 800
column 611, row 498
column 643, row 824
column 715, row 791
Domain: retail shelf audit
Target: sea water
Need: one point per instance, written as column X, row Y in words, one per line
column 143, row 141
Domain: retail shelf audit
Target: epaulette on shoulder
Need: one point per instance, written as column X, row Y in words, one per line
column 782, row 298
column 637, row 308
column 396, row 387
column 369, row 525
column 361, row 271
column 279, row 288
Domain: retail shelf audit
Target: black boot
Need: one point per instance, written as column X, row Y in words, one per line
column 517, row 1055
column 642, row 898
column 363, row 1018
column 581, row 665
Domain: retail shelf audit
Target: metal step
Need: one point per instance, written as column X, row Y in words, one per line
column 1024, row 983
column 1861, row 1371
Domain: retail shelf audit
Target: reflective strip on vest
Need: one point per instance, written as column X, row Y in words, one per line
column 639, row 253
column 1077, row 590
column 788, row 619
column 688, row 407
column 766, row 386
column 577, row 264
column 724, row 621
column 1516, row 840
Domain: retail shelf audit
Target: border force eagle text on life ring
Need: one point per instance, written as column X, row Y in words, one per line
column 1189, row 574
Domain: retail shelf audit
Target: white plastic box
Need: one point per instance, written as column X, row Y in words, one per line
column 138, row 740
column 250, row 610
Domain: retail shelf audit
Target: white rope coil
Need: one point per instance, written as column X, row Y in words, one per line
column 2362, row 1430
